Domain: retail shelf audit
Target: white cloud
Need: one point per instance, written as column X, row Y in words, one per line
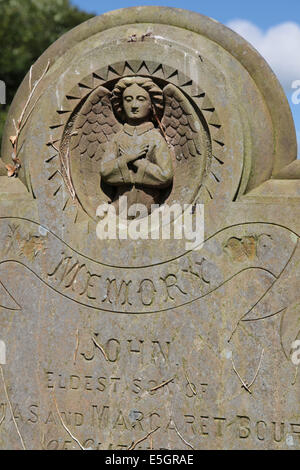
column 279, row 45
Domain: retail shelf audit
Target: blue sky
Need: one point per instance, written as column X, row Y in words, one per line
column 273, row 27
column 264, row 13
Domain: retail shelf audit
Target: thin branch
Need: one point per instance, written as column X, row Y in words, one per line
column 259, row 365
column 295, row 377
column 30, row 78
column 101, row 348
column 181, row 437
column 28, row 115
column 77, row 346
column 243, row 383
column 66, row 171
column 65, row 174
column 134, row 444
column 171, row 148
column 161, row 127
column 13, row 170
column 64, row 426
column 43, row 442
column 51, row 142
column 162, row 384
column 234, row 330
column 32, row 91
column 10, row 407
column 192, row 387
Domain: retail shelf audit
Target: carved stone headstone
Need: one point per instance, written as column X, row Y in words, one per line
column 143, row 343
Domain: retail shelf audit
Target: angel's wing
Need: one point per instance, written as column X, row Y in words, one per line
column 95, row 123
column 181, row 124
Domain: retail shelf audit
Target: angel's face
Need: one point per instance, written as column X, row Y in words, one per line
column 136, row 104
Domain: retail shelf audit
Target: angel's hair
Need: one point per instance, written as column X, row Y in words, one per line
column 154, row 91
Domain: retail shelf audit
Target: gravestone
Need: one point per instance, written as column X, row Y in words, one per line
column 143, row 343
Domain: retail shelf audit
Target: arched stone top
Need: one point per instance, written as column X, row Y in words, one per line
column 262, row 166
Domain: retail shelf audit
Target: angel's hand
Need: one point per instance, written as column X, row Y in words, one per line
column 124, row 150
column 139, row 163
column 131, row 155
column 142, row 151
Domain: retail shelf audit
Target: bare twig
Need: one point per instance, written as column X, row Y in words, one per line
column 295, row 377
column 162, row 130
column 234, row 330
column 33, row 90
column 65, row 173
column 242, row 381
column 14, row 169
column 66, row 168
column 10, row 407
column 28, row 115
column 181, row 437
column 259, row 365
column 245, row 384
column 51, row 142
column 77, row 346
column 162, row 384
column 64, row 426
column 134, row 444
column 43, row 441
column 30, row 77
column 192, row 387
column 101, row 348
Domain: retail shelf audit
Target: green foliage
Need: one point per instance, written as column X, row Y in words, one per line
column 27, row 28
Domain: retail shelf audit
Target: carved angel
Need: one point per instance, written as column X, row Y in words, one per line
column 135, row 131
